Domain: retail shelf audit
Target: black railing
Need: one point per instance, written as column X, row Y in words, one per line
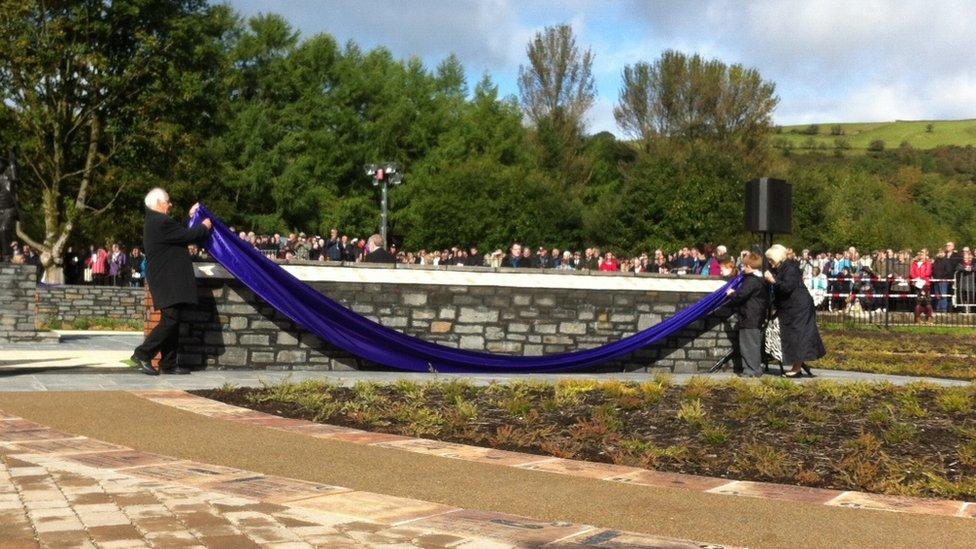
column 896, row 300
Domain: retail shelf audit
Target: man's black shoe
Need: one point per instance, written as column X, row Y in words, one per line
column 145, row 366
column 179, row 371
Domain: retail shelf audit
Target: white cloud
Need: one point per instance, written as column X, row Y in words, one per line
column 483, row 33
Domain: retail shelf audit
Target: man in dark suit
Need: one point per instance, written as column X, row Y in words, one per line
column 515, row 259
column 376, row 253
column 8, row 206
column 170, row 278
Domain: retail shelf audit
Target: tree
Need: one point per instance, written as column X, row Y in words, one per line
column 556, row 89
column 558, row 83
column 101, row 95
column 687, row 97
column 812, row 129
column 479, row 185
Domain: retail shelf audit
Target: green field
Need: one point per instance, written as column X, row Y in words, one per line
column 858, row 136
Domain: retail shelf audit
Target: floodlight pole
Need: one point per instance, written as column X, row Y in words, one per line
column 383, row 175
column 383, row 210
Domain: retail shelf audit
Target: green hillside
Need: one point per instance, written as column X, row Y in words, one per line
column 857, row 137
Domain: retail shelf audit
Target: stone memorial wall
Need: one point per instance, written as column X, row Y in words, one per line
column 497, row 310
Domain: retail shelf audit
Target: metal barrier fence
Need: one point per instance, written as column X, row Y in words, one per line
column 897, row 301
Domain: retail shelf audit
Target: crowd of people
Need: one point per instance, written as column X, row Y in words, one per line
column 841, row 281
column 109, row 265
column 903, row 280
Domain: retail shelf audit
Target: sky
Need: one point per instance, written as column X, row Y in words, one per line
column 831, row 61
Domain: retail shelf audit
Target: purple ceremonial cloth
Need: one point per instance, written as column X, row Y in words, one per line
column 371, row 341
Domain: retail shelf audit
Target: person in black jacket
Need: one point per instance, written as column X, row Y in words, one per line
column 376, row 253
column 799, row 336
column 942, row 272
column 8, row 206
column 171, row 281
column 751, row 303
column 515, row 260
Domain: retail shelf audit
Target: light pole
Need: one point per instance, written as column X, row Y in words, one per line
column 384, row 175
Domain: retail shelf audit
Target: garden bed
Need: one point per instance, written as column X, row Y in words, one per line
column 917, row 440
column 916, row 351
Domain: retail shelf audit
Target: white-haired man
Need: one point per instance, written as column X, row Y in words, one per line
column 169, row 275
column 376, row 253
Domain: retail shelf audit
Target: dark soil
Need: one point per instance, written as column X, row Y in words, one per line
column 914, row 440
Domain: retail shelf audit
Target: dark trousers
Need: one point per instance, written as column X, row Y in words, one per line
column 750, row 352
column 164, row 338
column 7, row 224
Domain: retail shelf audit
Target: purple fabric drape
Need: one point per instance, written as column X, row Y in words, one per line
column 371, row 341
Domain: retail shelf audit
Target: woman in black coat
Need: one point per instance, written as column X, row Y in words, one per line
column 799, row 336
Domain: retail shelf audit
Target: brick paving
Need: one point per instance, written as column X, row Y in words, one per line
column 60, row 490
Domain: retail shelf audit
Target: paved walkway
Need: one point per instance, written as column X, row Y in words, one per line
column 92, row 361
column 182, row 479
column 68, row 491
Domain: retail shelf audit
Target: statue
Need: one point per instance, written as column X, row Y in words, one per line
column 8, row 205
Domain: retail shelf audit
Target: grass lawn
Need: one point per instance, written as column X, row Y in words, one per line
column 860, row 135
column 908, row 440
column 919, row 351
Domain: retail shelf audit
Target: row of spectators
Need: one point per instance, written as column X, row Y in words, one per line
column 870, row 282
column 298, row 246
column 837, row 280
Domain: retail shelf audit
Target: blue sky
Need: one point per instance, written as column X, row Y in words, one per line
column 853, row 61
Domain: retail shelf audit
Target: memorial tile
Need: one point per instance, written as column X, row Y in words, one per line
column 12, row 425
column 119, row 459
column 862, row 500
column 69, row 446
column 38, row 434
column 320, row 430
column 461, row 451
column 267, row 420
column 188, row 472
column 423, row 446
column 163, row 394
column 367, row 437
column 375, row 507
column 497, row 457
column 662, row 479
column 630, row 540
column 500, row 527
column 585, row 469
column 271, row 489
column 781, row 492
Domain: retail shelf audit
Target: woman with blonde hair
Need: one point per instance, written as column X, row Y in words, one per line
column 799, row 336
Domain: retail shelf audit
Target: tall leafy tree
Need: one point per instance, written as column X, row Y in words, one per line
column 688, row 97
column 101, row 95
column 557, row 88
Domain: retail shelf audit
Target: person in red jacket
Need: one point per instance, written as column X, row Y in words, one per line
column 610, row 263
column 98, row 263
column 922, row 269
column 921, row 281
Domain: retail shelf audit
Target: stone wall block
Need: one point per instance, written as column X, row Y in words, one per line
column 479, row 315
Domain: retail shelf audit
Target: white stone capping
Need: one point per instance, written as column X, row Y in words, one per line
column 521, row 279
